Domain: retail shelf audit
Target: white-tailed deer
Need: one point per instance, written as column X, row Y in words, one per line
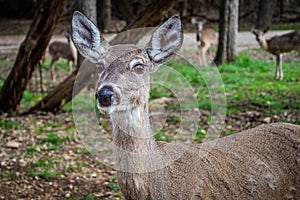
column 205, row 38
column 65, row 50
column 260, row 163
column 278, row 45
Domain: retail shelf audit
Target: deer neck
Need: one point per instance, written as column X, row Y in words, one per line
column 263, row 43
column 131, row 130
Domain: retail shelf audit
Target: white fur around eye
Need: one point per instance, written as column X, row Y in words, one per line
column 135, row 62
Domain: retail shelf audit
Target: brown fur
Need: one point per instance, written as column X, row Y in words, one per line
column 207, row 37
column 65, row 50
column 260, row 163
column 278, row 45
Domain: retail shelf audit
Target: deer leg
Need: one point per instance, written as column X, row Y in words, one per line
column 204, row 48
column 70, row 66
column 280, row 67
column 52, row 65
column 199, row 56
column 277, row 71
column 41, row 76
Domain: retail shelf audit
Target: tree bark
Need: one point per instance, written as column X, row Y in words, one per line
column 89, row 9
column 124, row 10
column 149, row 18
column 106, row 14
column 232, row 30
column 228, row 29
column 62, row 94
column 264, row 14
column 30, row 53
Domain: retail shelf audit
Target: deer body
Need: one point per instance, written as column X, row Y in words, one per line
column 206, row 37
column 278, row 45
column 227, row 172
column 65, row 50
column 261, row 163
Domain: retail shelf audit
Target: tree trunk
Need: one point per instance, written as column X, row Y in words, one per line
column 228, row 29
column 149, row 18
column 89, row 9
column 106, row 14
column 30, row 53
column 264, row 14
column 232, row 30
column 183, row 6
column 62, row 94
column 124, row 10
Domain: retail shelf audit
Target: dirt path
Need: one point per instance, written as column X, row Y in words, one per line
column 9, row 44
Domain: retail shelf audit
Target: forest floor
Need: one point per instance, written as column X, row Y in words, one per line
column 43, row 157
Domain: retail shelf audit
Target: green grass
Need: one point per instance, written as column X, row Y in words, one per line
column 31, row 150
column 249, row 84
column 43, row 168
column 8, row 174
column 163, row 136
column 41, row 129
column 44, row 174
column 9, row 124
column 113, row 186
column 200, row 135
column 90, row 196
column 60, row 66
column 53, row 138
column 285, row 26
column 53, row 141
column 30, row 99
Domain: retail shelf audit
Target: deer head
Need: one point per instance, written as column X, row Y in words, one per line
column 124, row 82
column 259, row 35
column 199, row 24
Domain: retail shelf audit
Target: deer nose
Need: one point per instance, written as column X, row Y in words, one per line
column 104, row 96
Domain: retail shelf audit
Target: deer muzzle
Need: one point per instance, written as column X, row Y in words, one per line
column 105, row 96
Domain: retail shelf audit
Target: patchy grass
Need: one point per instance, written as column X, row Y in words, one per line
column 52, row 124
column 44, row 168
column 113, row 186
column 45, row 174
column 249, row 84
column 30, row 99
column 11, row 175
column 9, row 124
column 61, row 66
column 162, row 135
column 200, row 135
column 53, row 140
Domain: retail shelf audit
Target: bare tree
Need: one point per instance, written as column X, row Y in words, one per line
column 228, row 29
column 30, row 53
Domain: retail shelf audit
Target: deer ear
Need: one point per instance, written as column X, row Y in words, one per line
column 165, row 41
column 86, row 37
column 266, row 29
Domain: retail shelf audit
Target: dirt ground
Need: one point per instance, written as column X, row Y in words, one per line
column 69, row 171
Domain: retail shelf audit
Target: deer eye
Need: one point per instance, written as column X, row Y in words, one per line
column 138, row 68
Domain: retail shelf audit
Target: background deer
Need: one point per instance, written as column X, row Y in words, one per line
column 66, row 50
column 205, row 38
column 278, row 45
column 260, row 163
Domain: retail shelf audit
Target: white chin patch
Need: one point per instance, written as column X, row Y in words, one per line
column 119, row 108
